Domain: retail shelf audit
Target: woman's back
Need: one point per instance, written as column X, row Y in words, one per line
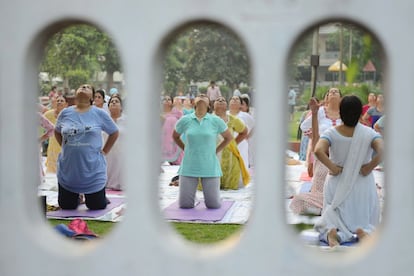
column 340, row 145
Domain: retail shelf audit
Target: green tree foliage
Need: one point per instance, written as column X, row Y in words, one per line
column 109, row 59
column 77, row 77
column 364, row 48
column 174, row 64
column 79, row 49
column 215, row 53
column 300, row 56
column 203, row 53
column 359, row 46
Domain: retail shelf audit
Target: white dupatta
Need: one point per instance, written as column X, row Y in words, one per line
column 360, row 144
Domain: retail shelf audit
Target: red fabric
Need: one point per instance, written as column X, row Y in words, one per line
column 80, row 227
column 364, row 110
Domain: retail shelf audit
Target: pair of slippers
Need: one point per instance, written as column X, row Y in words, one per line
column 77, row 229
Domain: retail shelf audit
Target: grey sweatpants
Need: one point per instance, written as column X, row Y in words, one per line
column 188, row 188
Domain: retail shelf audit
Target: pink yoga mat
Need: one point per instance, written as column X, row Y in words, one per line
column 113, row 192
column 198, row 213
column 82, row 211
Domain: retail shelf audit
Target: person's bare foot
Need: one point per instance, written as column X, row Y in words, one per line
column 333, row 238
column 175, row 183
column 361, row 234
column 81, row 198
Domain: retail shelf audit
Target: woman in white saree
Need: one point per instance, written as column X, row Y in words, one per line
column 351, row 205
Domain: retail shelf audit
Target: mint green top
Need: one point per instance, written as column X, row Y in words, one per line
column 200, row 159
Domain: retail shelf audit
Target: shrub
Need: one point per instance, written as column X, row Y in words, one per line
column 226, row 91
column 77, row 77
column 244, row 90
column 202, row 89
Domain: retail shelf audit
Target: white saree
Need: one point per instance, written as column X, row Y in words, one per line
column 350, row 199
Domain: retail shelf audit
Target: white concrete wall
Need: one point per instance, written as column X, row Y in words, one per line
column 143, row 244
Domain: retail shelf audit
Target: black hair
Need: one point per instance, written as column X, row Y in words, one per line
column 239, row 97
column 246, row 101
column 169, row 96
column 93, row 94
column 102, row 92
column 350, row 110
column 63, row 96
column 115, row 96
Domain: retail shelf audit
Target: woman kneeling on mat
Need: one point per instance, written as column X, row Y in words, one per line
column 200, row 154
column 81, row 165
column 351, row 206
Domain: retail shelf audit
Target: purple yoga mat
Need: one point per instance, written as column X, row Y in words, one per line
column 198, row 213
column 82, row 211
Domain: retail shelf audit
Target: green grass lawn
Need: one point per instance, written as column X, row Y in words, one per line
column 194, row 232
column 206, row 233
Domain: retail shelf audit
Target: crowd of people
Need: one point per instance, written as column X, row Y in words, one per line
column 212, row 145
column 344, row 145
column 84, row 146
column 211, row 142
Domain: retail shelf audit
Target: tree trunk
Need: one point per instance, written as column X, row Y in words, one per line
column 110, row 79
column 341, row 54
column 66, row 82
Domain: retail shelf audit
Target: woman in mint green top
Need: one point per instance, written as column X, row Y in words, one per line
column 200, row 154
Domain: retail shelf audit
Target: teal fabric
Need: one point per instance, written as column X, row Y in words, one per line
column 200, row 159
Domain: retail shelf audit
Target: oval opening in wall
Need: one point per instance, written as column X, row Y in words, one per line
column 82, row 110
column 204, row 102
column 334, row 177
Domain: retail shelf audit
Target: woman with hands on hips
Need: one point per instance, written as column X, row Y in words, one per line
column 200, row 160
column 351, row 205
column 81, row 163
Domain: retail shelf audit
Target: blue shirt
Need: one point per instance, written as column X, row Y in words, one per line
column 200, row 159
column 81, row 166
column 375, row 115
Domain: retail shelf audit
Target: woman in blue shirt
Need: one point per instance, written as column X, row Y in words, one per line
column 81, row 163
column 200, row 154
